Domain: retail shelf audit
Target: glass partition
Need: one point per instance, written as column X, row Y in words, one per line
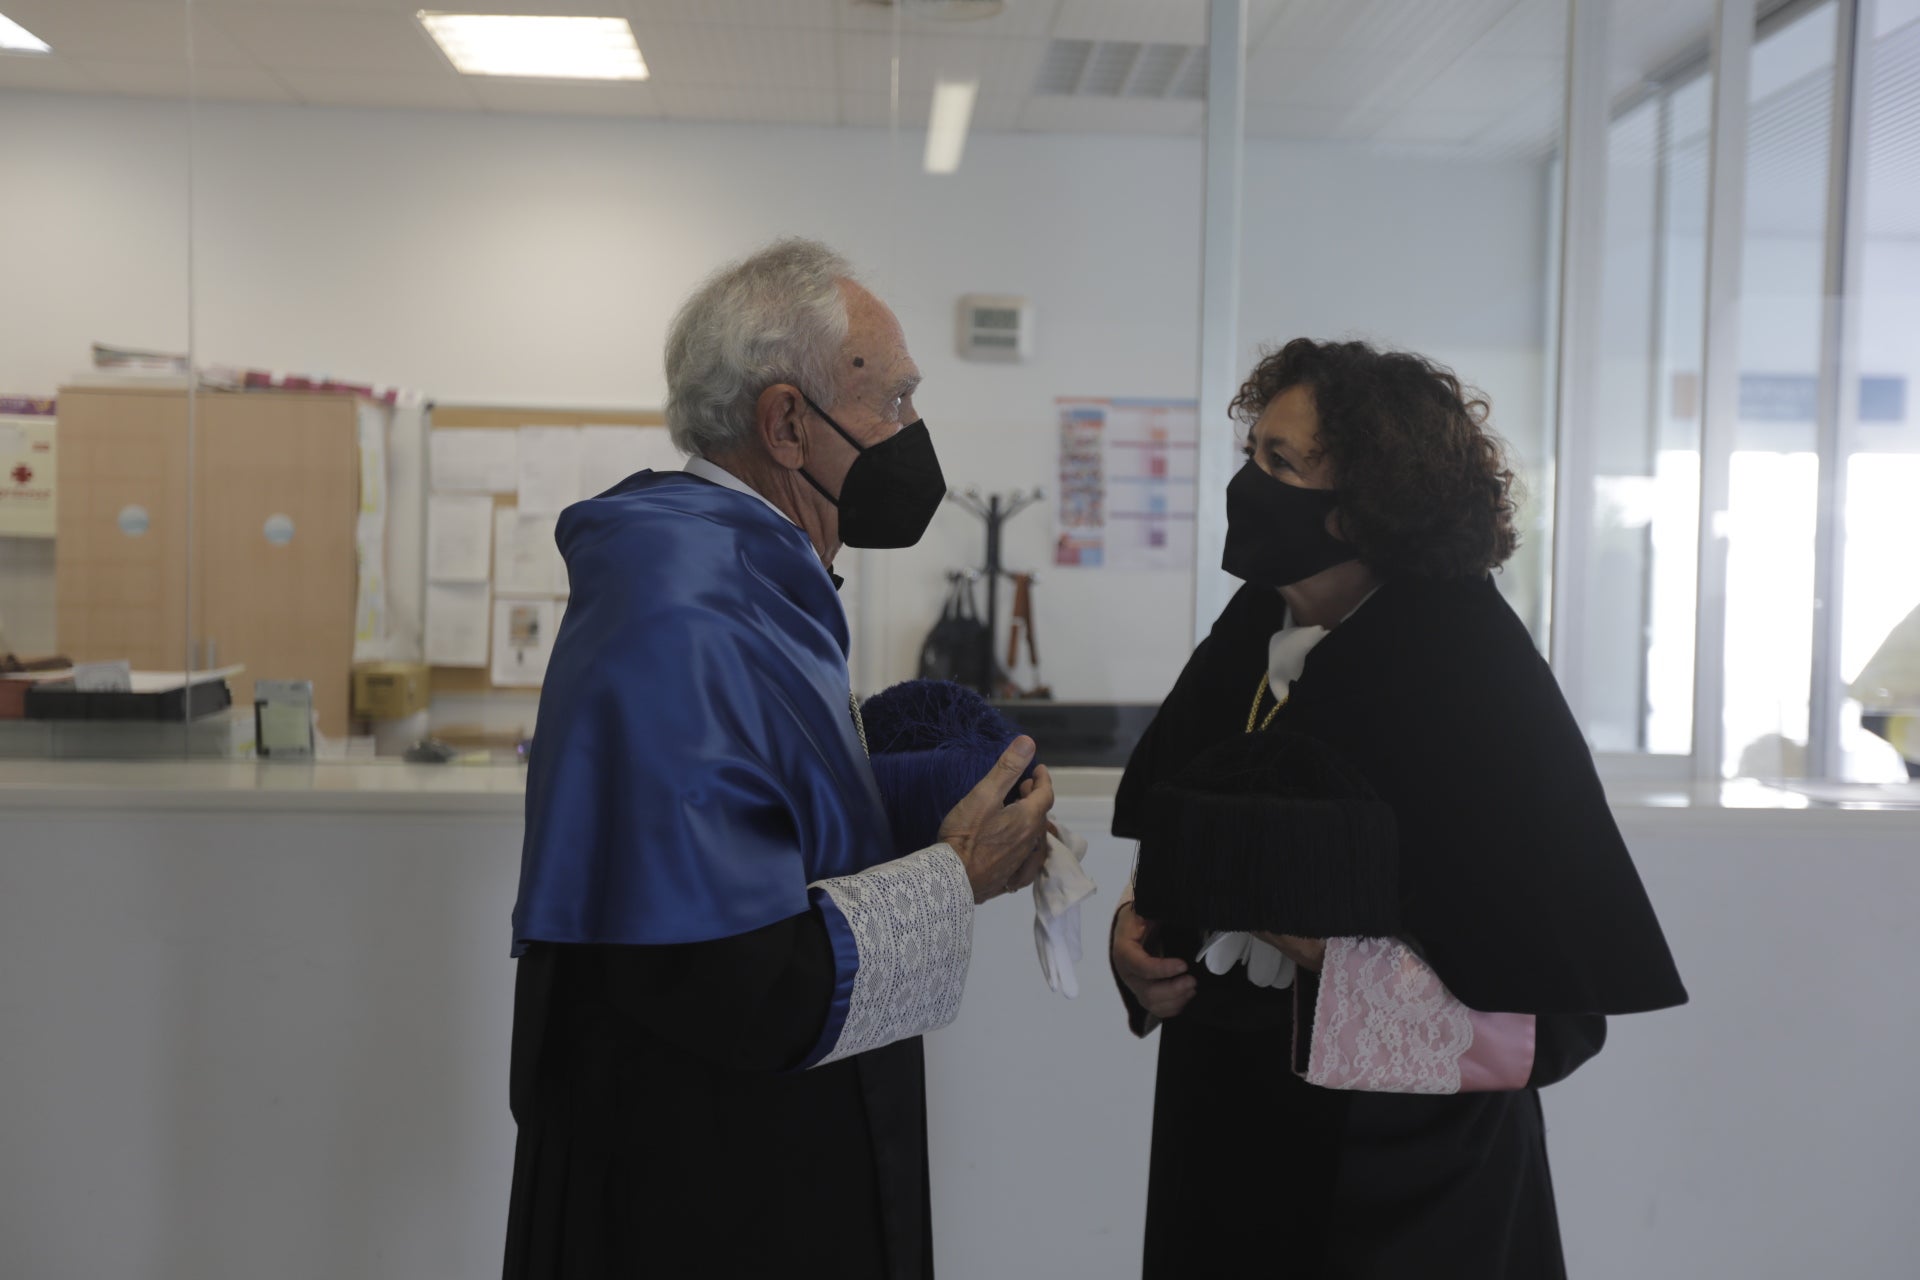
column 1640, row 575
column 1879, row 658
column 96, row 519
column 423, row 285
column 1770, row 533
column 434, row 303
column 1399, row 187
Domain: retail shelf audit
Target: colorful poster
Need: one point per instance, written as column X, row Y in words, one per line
column 26, row 476
column 1127, row 477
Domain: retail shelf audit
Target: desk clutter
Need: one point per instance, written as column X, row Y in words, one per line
column 305, row 531
column 53, row 709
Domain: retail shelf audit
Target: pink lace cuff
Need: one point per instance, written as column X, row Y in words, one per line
column 1385, row 1023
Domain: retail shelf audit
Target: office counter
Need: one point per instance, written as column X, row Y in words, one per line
column 254, row 1021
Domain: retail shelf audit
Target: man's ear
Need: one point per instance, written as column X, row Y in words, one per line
column 776, row 421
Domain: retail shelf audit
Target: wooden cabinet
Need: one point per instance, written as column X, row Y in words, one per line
column 121, row 542
column 230, row 541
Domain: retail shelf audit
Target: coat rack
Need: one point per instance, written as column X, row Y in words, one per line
column 994, row 510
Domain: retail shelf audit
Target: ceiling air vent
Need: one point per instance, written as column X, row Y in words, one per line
column 1122, row 69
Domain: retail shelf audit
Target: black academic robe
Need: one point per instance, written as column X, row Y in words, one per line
column 696, row 768
column 661, row 1133
column 1515, row 889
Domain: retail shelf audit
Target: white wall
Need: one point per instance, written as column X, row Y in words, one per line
column 537, row 260
column 1767, row 1129
column 277, row 1046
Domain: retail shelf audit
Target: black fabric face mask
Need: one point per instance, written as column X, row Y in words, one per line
column 1277, row 532
column 892, row 490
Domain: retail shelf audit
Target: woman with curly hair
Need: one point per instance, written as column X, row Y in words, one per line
column 1380, row 900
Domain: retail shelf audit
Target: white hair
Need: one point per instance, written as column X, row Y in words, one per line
column 778, row 316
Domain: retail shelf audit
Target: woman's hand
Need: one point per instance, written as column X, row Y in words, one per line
column 1305, row 952
column 1162, row 986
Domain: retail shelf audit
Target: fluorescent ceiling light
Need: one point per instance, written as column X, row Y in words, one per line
column 947, row 130
column 487, row 44
column 15, row 38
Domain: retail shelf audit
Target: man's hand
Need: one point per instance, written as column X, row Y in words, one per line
column 1305, row 952
column 1163, row 987
column 1003, row 846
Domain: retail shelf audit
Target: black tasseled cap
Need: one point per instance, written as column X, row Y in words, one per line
column 1270, row 831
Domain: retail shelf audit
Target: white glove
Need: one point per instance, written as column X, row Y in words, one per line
column 1063, row 885
column 1266, row 965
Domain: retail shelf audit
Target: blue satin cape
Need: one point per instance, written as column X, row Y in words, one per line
column 695, row 765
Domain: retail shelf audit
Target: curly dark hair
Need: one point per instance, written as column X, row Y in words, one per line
column 1425, row 489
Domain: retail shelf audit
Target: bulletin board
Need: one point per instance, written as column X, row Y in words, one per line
column 480, row 679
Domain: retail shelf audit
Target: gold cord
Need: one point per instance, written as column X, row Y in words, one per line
column 1253, row 716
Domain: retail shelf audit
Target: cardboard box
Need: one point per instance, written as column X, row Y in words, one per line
column 390, row 690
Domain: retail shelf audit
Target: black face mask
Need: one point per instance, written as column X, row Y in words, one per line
column 1277, row 532
column 892, row 490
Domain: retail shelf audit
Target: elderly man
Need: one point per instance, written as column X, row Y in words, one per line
column 724, row 968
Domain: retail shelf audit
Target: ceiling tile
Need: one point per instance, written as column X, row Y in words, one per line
column 587, row 98
column 1282, row 120
column 1385, row 28
column 998, row 114
column 325, row 40
column 734, row 13
column 1527, row 130
column 1487, row 86
column 402, row 8
column 763, row 104
column 688, row 54
column 1144, row 21
column 378, row 89
column 1456, row 127
column 1003, row 68
column 1535, row 29
column 410, row 8
column 1262, row 14
column 124, row 30
column 866, row 62
column 159, row 80
column 1030, row 18
column 1343, row 24
column 1410, row 45
column 1310, row 79
column 875, row 111
column 1111, row 115
column 1648, row 35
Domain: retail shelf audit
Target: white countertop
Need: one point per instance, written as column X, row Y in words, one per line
column 246, row 786
column 334, row 786
column 494, row 791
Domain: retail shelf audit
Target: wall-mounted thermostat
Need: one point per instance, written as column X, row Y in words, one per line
column 996, row 326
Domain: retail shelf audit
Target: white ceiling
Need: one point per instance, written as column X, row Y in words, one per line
column 1484, row 76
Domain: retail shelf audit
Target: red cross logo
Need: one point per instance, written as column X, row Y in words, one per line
column 22, row 474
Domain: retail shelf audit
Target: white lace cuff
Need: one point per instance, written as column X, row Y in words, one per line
column 902, row 937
